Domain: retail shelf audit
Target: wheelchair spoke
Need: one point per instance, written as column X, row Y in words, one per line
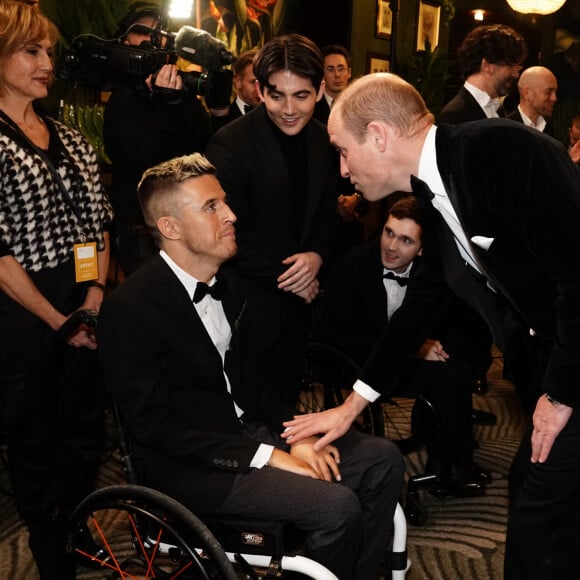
column 134, row 533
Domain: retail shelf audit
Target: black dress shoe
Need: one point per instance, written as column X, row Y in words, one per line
column 458, row 489
column 463, row 481
column 483, row 417
column 475, row 472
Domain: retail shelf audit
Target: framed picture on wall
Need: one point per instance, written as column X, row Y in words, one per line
column 384, row 19
column 377, row 63
column 428, row 24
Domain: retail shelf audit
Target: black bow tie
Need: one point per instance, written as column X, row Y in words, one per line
column 399, row 279
column 216, row 291
column 248, row 108
column 421, row 190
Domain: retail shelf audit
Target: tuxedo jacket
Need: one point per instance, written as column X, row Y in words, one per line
column 255, row 177
column 351, row 313
column 518, row 187
column 322, row 111
column 233, row 114
column 516, row 116
column 165, row 375
column 461, row 108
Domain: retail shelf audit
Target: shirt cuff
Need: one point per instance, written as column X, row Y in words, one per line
column 365, row 391
column 262, row 456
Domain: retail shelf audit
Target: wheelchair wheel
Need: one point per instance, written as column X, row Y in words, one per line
column 130, row 531
column 329, row 377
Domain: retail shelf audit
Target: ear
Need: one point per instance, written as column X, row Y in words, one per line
column 320, row 91
column 420, row 252
column 378, row 134
column 169, row 227
column 526, row 91
column 260, row 93
column 486, row 66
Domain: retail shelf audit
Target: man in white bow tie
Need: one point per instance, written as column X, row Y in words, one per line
column 501, row 181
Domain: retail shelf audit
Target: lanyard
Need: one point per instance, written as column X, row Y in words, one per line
column 14, row 131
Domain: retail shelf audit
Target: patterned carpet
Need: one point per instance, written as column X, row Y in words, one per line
column 462, row 540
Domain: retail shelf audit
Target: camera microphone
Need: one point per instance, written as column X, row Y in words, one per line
column 200, row 47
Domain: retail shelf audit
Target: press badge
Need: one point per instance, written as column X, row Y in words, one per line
column 86, row 267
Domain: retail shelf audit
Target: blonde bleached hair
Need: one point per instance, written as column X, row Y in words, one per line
column 20, row 24
column 383, row 97
column 160, row 187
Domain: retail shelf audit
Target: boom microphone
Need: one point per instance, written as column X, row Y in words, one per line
column 200, row 47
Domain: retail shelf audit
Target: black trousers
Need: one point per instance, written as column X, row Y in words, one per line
column 542, row 541
column 347, row 523
column 447, row 385
column 51, row 399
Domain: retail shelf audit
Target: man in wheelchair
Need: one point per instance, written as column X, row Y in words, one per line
column 383, row 281
column 178, row 356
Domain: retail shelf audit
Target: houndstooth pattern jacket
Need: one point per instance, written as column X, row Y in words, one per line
column 38, row 224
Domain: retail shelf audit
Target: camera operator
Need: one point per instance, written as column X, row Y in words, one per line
column 146, row 122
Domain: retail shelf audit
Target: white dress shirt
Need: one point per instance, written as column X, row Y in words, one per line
column 429, row 173
column 490, row 105
column 329, row 99
column 241, row 105
column 214, row 319
column 395, row 292
column 539, row 125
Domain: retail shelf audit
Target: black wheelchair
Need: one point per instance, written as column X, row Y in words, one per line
column 132, row 531
column 329, row 377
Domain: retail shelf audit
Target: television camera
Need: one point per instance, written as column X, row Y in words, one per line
column 103, row 64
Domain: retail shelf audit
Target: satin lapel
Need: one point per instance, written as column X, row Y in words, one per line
column 475, row 110
column 233, row 301
column 468, row 226
column 181, row 308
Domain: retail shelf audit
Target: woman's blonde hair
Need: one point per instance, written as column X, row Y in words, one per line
column 20, row 24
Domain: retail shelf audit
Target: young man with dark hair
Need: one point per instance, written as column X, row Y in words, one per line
column 385, row 280
column 183, row 366
column 278, row 170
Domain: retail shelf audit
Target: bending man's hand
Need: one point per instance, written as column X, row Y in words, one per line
column 282, row 460
column 549, row 420
column 303, row 270
column 333, row 423
column 324, row 462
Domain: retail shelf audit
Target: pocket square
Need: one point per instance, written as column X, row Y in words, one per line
column 483, row 242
